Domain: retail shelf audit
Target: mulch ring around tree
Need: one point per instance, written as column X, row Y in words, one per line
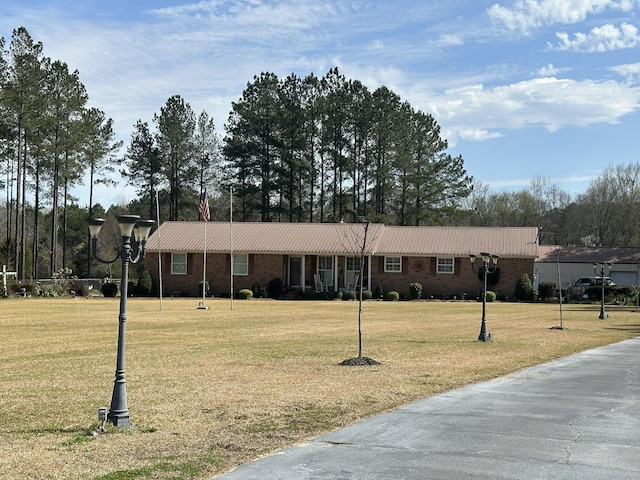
column 358, row 361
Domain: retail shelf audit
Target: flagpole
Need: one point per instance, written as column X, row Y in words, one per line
column 204, row 213
column 159, row 253
column 231, row 242
column 203, row 305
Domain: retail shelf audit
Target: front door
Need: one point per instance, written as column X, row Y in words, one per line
column 295, row 269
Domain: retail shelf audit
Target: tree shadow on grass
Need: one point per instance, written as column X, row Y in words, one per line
column 633, row 328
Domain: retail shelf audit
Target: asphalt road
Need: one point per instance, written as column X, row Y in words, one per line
column 574, row 418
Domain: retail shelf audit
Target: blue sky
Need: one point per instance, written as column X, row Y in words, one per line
column 520, row 88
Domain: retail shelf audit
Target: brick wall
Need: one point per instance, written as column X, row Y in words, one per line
column 463, row 281
column 263, row 268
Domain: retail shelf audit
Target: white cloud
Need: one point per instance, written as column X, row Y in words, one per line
column 573, row 183
column 549, row 70
column 527, row 15
column 631, row 71
column 476, row 112
column 450, row 41
column 600, row 39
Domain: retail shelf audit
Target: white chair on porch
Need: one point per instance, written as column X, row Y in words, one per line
column 320, row 285
column 352, row 286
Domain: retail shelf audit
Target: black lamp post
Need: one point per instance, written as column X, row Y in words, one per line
column 489, row 265
column 605, row 269
column 130, row 226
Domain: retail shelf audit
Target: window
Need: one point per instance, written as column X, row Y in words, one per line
column 445, row 265
column 179, row 263
column 393, row 264
column 240, row 264
column 325, row 269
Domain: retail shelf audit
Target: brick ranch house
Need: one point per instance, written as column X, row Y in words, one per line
column 394, row 257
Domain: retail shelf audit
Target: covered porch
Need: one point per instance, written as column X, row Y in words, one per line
column 335, row 271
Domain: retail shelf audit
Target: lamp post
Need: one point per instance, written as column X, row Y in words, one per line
column 489, row 265
column 130, row 226
column 605, row 269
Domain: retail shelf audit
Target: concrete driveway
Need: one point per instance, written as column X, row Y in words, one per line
column 574, row 418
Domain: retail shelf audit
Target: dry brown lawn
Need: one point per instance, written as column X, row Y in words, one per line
column 209, row 389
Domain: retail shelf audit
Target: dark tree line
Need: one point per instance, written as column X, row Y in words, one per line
column 179, row 159
column 327, row 149
column 49, row 139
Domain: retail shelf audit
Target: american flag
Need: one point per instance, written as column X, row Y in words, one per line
column 203, row 207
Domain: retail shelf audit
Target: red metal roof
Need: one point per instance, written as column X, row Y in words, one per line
column 343, row 238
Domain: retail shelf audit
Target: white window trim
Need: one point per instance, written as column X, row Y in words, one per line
column 452, row 265
column 350, row 274
column 174, row 263
column 233, row 264
column 397, row 262
column 326, row 274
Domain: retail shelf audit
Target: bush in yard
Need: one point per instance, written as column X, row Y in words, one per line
column 25, row 288
column 524, row 288
column 51, row 291
column 245, row 294
column 392, row 296
column 145, row 284
column 109, row 289
column 415, row 291
column 75, row 287
column 349, row 295
column 610, row 292
column 309, row 295
column 367, row 294
column 546, row 290
column 378, row 292
column 491, row 296
column 275, row 287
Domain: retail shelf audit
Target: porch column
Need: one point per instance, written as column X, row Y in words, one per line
column 368, row 272
column 303, row 280
column 335, row 273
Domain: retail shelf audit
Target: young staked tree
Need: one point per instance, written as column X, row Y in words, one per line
column 357, row 239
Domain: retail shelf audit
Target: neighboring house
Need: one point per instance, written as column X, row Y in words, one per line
column 576, row 262
column 395, row 257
